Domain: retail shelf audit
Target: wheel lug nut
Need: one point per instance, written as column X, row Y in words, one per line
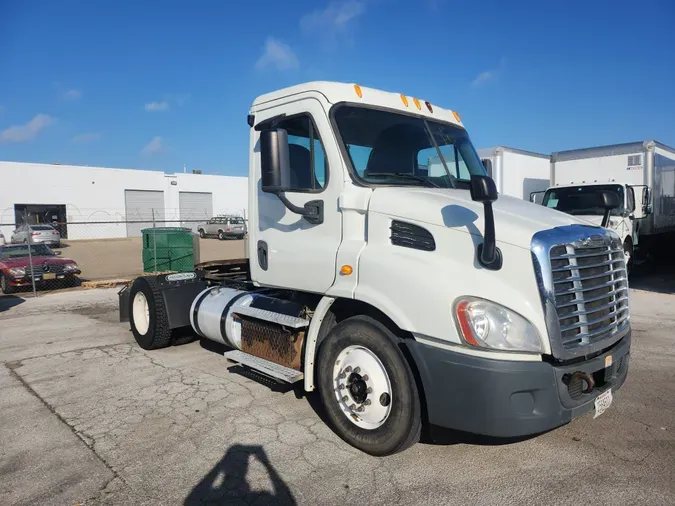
column 341, row 387
column 348, row 368
column 366, row 402
column 369, row 390
column 365, row 377
column 345, row 398
column 353, row 407
column 357, row 370
column 360, row 409
column 342, row 375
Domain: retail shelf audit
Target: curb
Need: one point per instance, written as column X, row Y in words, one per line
column 105, row 283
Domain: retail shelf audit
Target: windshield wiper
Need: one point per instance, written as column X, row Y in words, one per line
column 404, row 175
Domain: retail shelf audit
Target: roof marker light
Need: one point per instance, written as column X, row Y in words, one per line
column 404, row 99
column 358, row 91
column 456, row 117
column 417, row 104
column 431, row 110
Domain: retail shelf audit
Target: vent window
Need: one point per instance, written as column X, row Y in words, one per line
column 634, row 160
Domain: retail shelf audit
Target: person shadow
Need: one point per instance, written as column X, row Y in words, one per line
column 226, row 483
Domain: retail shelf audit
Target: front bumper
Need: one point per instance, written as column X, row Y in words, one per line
column 503, row 398
column 26, row 280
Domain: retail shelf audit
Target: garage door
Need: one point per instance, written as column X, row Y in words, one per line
column 195, row 208
column 139, row 206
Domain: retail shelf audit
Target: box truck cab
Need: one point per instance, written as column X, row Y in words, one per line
column 386, row 273
column 581, row 200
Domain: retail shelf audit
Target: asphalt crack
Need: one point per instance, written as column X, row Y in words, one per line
column 12, row 367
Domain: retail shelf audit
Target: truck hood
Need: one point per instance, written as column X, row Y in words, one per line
column 516, row 220
column 37, row 260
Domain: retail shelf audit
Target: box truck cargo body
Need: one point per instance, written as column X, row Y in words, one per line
column 643, row 173
column 516, row 172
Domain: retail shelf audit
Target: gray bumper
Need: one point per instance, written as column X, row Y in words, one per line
column 508, row 399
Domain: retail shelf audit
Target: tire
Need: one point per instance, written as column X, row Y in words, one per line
column 202, row 234
column 155, row 332
column 630, row 254
column 401, row 426
column 221, row 235
column 5, row 287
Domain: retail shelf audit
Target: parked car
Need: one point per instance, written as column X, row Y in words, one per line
column 223, row 227
column 16, row 271
column 3, row 241
column 39, row 234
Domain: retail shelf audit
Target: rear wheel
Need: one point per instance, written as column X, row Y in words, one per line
column 148, row 319
column 5, row 286
column 221, row 235
column 202, row 234
column 367, row 387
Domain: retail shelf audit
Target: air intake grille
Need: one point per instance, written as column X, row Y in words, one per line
column 411, row 236
column 591, row 292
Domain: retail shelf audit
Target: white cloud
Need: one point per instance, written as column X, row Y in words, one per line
column 87, row 137
column 335, row 21
column 27, row 132
column 72, row 94
column 489, row 75
column 156, row 145
column 157, row 106
column 277, row 54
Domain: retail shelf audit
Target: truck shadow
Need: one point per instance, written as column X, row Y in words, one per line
column 226, row 483
column 653, row 276
column 440, row 436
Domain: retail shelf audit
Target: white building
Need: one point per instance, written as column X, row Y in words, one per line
column 96, row 202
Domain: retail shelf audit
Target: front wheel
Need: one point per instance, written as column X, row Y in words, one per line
column 5, row 286
column 367, row 387
column 148, row 318
column 628, row 255
column 202, row 234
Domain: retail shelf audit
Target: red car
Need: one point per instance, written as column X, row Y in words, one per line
column 15, row 270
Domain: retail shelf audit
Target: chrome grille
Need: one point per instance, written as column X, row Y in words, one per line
column 590, row 288
column 40, row 269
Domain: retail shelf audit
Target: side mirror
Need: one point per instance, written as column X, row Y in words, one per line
column 608, row 201
column 484, row 190
column 646, row 201
column 274, row 161
column 57, row 253
column 487, row 163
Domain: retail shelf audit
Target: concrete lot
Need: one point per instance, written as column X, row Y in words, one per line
column 121, row 258
column 86, row 416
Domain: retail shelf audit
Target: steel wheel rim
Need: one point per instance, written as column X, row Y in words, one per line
column 362, row 387
column 141, row 312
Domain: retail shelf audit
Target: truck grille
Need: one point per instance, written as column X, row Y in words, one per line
column 590, row 288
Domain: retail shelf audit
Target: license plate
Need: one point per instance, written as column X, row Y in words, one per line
column 602, row 402
column 49, row 275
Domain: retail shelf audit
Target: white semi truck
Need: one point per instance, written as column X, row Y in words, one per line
column 516, row 172
column 404, row 296
column 641, row 174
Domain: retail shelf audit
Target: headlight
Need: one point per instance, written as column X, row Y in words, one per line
column 17, row 271
column 485, row 324
column 70, row 267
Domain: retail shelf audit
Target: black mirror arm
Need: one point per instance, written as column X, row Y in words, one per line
column 605, row 217
column 489, row 254
column 312, row 211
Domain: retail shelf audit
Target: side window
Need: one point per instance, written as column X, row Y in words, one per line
column 309, row 167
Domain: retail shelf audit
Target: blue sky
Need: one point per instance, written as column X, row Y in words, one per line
column 160, row 84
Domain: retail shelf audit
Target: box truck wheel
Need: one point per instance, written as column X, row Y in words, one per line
column 147, row 315
column 368, row 388
column 628, row 254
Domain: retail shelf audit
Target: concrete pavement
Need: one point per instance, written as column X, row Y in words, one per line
column 88, row 417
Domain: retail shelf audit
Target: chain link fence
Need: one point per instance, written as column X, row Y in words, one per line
column 39, row 256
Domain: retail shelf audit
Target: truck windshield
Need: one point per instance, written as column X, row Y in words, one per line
column 390, row 148
column 581, row 200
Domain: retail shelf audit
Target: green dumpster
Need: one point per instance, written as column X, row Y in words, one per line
column 169, row 249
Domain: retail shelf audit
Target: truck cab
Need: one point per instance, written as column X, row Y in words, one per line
column 581, row 200
column 386, row 273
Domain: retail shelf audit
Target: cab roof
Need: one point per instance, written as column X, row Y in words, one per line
column 337, row 92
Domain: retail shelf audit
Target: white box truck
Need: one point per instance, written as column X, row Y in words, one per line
column 642, row 174
column 402, row 295
column 516, row 172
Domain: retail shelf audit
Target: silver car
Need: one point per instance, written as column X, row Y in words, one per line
column 39, row 234
column 223, row 227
